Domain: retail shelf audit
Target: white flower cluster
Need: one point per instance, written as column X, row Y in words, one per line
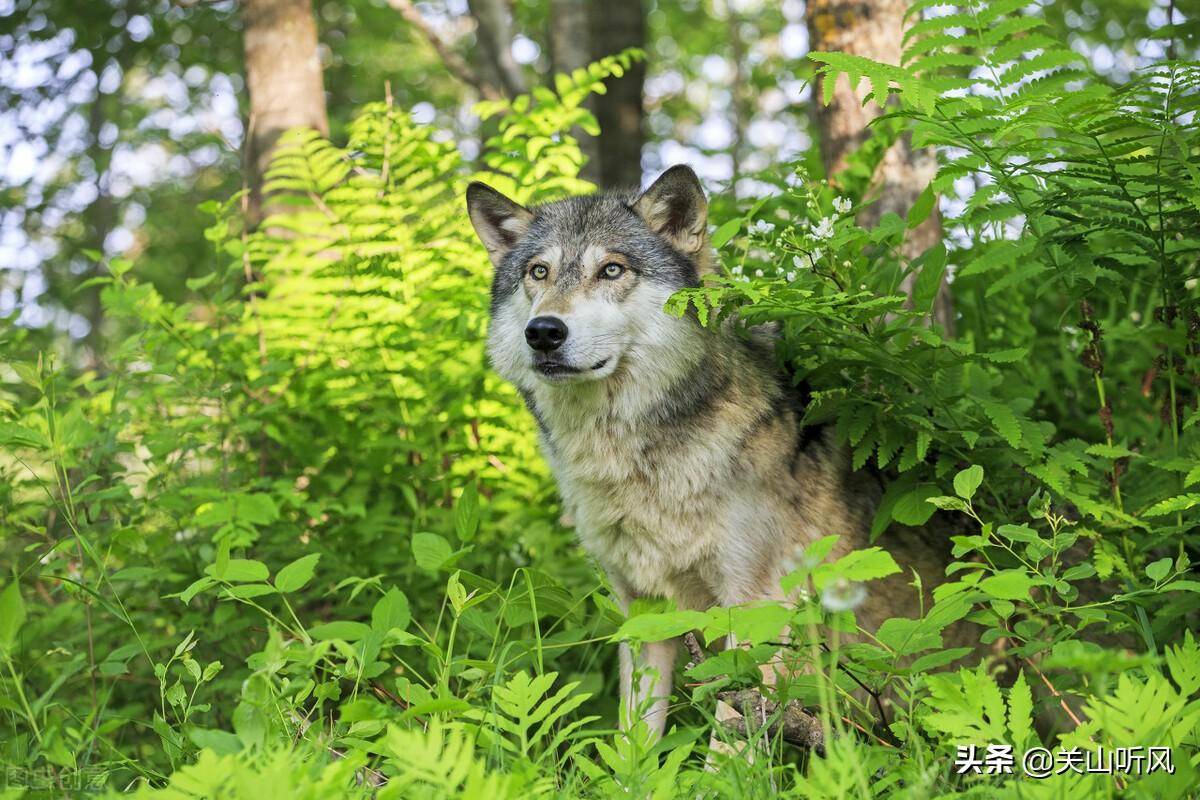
column 761, row 227
column 842, row 205
column 823, row 229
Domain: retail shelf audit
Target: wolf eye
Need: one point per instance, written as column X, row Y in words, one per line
column 612, row 271
column 538, row 272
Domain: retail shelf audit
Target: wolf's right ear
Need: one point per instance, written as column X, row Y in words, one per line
column 499, row 222
column 674, row 207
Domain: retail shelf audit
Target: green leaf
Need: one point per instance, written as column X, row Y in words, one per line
column 339, row 629
column 391, row 611
column 947, row 503
column 932, row 264
column 197, row 586
column 12, row 615
column 1020, row 711
column 241, row 570
column 223, row 743
column 257, row 509
column 1113, row 451
column 430, row 551
column 1004, row 420
column 244, row 591
column 857, row 565
column 1159, row 569
column 297, row 574
column 967, row 481
column 913, row 508
column 1009, row 584
column 1172, row 505
column 922, row 207
column 466, row 513
column 726, row 232
column 658, row 627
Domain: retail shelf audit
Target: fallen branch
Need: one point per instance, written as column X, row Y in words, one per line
column 794, row 725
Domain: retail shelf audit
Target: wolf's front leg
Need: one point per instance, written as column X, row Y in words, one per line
column 652, row 670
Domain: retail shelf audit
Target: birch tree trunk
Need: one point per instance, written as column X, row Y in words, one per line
column 283, row 75
column 873, row 29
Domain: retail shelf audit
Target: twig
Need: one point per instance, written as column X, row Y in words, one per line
column 693, row 647
column 884, row 724
column 1061, row 700
column 457, row 67
column 793, row 725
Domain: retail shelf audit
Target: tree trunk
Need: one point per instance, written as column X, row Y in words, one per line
column 873, row 29
column 570, row 49
column 283, row 75
column 616, row 25
column 495, row 38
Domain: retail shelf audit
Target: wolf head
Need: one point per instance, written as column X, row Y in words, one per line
column 580, row 284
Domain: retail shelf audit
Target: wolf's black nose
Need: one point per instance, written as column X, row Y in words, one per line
column 545, row 333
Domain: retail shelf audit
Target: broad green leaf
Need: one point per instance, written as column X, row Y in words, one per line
column 340, row 629
column 391, row 611
column 241, row 570
column 1159, row 569
column 967, row 481
column 1009, row 584
column 657, row 627
column 858, row 565
column 912, row 508
column 430, row 551
column 297, row 574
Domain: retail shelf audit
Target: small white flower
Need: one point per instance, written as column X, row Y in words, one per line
column 758, row 273
column 799, row 263
column 815, row 255
column 823, row 229
column 761, row 226
column 737, row 270
column 1136, row 316
column 791, row 276
column 842, row 205
column 1191, row 283
column 843, row 595
column 846, row 265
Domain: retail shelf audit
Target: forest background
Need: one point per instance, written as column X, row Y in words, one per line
column 270, row 526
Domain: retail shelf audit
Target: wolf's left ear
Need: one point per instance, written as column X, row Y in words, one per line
column 499, row 222
column 674, row 206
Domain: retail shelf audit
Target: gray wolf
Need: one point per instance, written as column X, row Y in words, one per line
column 678, row 449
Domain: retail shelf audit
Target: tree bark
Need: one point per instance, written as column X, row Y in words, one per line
column 283, row 75
column 616, row 25
column 494, row 32
column 873, row 29
column 570, row 49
